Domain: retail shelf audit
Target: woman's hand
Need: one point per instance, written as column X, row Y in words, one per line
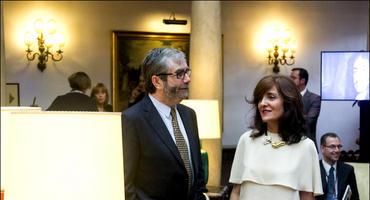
column 306, row 195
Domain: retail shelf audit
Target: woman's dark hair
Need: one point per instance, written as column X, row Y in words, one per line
column 79, row 81
column 100, row 87
column 292, row 125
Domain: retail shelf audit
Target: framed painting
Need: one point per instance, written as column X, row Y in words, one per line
column 12, row 94
column 129, row 50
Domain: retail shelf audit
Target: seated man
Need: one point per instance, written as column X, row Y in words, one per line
column 76, row 99
column 335, row 175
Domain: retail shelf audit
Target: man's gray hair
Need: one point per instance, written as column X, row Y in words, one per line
column 157, row 62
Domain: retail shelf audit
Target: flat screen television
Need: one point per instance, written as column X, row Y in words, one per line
column 345, row 75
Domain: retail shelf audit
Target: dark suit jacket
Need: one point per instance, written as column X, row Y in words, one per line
column 311, row 106
column 345, row 176
column 73, row 101
column 108, row 108
column 152, row 164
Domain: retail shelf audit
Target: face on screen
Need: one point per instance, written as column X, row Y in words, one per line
column 345, row 75
column 361, row 74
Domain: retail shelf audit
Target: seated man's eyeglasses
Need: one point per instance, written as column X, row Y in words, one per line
column 334, row 146
column 180, row 74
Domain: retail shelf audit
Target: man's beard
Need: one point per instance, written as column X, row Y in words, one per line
column 177, row 92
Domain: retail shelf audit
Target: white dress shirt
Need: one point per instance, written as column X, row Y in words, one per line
column 327, row 167
column 165, row 113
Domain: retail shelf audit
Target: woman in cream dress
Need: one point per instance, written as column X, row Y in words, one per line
column 275, row 160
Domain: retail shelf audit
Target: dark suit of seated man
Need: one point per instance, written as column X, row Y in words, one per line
column 161, row 145
column 76, row 99
column 343, row 174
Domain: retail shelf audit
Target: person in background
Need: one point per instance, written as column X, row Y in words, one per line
column 361, row 76
column 76, row 99
column 161, row 145
column 100, row 95
column 335, row 175
column 276, row 160
column 311, row 101
column 138, row 92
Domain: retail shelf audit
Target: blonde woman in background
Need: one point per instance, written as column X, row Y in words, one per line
column 100, row 95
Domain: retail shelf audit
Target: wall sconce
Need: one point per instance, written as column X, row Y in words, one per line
column 46, row 36
column 174, row 21
column 281, row 49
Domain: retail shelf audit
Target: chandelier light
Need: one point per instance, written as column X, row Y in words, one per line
column 281, row 49
column 45, row 38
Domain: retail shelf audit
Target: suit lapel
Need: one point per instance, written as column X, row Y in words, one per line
column 323, row 177
column 155, row 120
column 340, row 172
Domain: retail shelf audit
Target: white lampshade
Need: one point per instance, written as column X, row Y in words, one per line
column 65, row 155
column 208, row 117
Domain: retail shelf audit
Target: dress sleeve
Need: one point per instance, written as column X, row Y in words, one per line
column 316, row 178
column 237, row 168
column 311, row 180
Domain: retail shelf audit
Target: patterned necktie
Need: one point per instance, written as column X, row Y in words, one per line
column 331, row 185
column 181, row 146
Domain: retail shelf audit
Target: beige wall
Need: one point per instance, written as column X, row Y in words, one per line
column 318, row 25
column 88, row 26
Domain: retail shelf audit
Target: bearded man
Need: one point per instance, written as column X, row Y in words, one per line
column 161, row 145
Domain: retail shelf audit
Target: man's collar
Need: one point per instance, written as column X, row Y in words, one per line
column 77, row 91
column 327, row 165
column 161, row 107
column 303, row 91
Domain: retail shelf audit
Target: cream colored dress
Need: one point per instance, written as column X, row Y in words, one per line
column 267, row 173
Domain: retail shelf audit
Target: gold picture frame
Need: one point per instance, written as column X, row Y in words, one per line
column 12, row 94
column 129, row 50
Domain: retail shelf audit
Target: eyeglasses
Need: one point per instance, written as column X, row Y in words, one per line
column 180, row 74
column 334, row 146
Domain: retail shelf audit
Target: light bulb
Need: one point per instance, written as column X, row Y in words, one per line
column 28, row 38
column 59, row 39
column 39, row 25
column 51, row 26
column 49, row 41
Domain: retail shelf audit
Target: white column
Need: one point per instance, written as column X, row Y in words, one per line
column 206, row 50
column 206, row 64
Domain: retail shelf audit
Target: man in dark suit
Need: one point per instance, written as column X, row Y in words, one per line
column 158, row 163
column 311, row 101
column 76, row 99
column 343, row 174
